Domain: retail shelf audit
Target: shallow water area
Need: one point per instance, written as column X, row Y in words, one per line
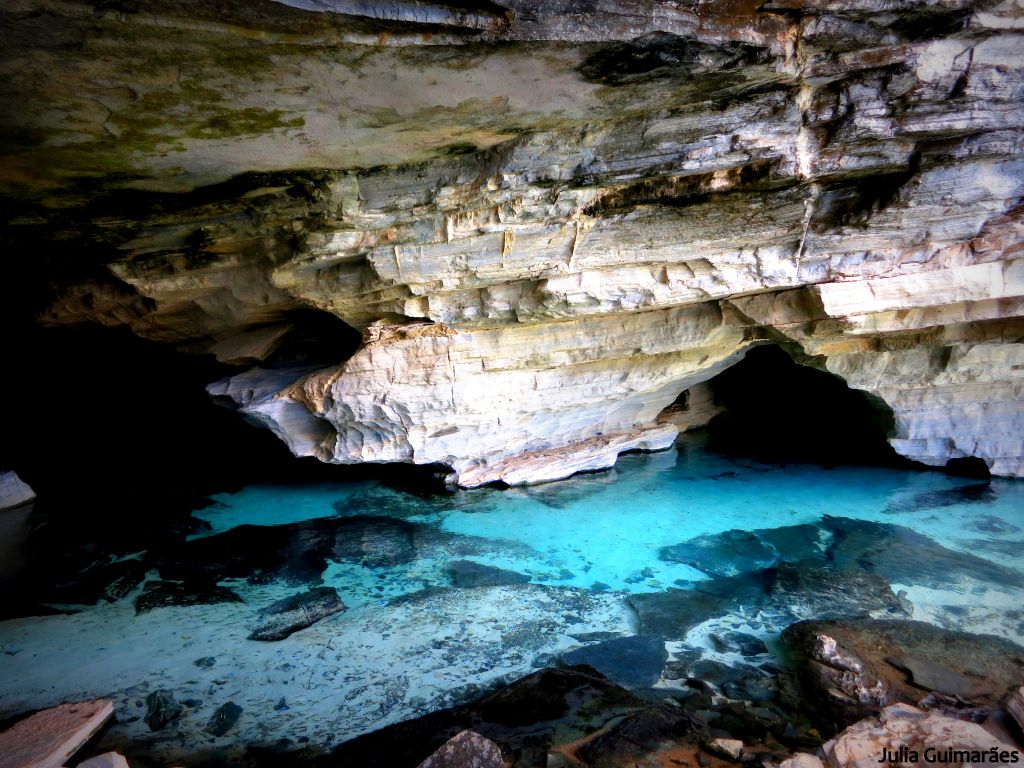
column 448, row 594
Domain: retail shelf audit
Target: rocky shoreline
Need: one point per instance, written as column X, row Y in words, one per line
column 857, row 693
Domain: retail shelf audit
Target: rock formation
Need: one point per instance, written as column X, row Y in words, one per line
column 546, row 222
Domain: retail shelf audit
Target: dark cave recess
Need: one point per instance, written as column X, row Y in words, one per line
column 780, row 411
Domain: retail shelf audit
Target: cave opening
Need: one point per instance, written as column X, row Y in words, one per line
column 774, row 409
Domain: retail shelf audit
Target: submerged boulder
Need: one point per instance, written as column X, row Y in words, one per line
column 224, row 719
column 279, row 620
column 161, row 709
column 466, row 573
column 635, row 662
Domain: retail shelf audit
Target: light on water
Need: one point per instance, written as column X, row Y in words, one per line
column 447, row 594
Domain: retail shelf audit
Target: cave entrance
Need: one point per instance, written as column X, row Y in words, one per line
column 770, row 408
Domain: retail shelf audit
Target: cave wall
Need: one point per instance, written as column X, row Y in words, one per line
column 546, row 220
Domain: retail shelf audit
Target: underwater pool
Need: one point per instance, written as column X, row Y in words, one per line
column 702, row 557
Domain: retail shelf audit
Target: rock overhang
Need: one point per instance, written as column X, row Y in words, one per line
column 532, row 213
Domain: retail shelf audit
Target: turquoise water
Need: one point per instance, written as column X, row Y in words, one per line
column 607, row 555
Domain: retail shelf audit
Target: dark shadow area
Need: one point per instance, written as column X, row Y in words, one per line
column 121, row 442
column 779, row 411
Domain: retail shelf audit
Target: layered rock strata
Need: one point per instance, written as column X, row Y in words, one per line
column 547, row 223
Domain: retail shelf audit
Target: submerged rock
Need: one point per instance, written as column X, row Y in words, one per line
column 802, row 589
column 164, row 594
column 466, row 750
column 640, row 734
column 522, row 718
column 722, row 554
column 466, row 573
column 279, row 620
column 635, row 662
column 902, row 555
column 224, row 719
column 161, row 709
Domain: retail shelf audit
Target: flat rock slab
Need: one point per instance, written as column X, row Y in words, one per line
column 284, row 617
column 933, row 676
column 467, row 573
column 48, row 738
column 635, row 662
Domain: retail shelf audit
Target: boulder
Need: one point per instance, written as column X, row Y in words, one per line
column 466, row 749
column 901, row 733
column 853, row 668
column 279, row 620
column 106, row 760
column 224, row 719
column 161, row 709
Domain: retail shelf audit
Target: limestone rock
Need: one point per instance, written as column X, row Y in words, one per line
column 801, row 760
column 547, row 223
column 901, row 726
column 106, row 760
column 284, row 617
column 1015, row 706
column 466, row 750
column 14, row 491
column 853, row 668
column 731, row 748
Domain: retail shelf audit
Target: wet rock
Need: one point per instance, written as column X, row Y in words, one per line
column 932, row 676
column 721, row 554
column 850, row 669
column 640, row 734
column 522, row 718
column 747, row 645
column 805, row 588
column 635, row 662
column 164, row 594
column 901, row 725
column 206, row 662
column 279, row 620
column 963, row 494
column 810, row 589
column 905, row 556
column 161, row 709
column 466, row 573
column 731, row 748
column 993, row 524
column 672, row 613
column 224, row 719
column 466, row 750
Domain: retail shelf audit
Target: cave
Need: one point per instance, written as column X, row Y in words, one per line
column 778, row 410
column 516, row 384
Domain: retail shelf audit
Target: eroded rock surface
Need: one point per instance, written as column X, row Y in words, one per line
column 546, row 223
column 853, row 668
